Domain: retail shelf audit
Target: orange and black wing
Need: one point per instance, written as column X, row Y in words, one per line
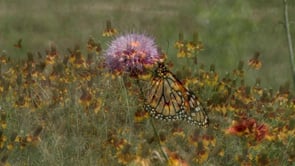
column 165, row 100
column 196, row 113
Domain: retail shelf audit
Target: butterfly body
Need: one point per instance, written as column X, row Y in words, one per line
column 169, row 100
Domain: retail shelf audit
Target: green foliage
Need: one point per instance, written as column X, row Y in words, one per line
column 67, row 109
column 62, row 107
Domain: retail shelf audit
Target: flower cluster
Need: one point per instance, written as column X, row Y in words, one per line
column 254, row 62
column 188, row 48
column 109, row 30
column 249, row 127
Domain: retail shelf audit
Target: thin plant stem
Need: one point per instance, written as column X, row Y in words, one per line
column 121, row 80
column 140, row 89
column 125, row 93
column 288, row 34
column 152, row 123
column 159, row 140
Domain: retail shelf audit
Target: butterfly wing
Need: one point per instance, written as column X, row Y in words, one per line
column 165, row 101
column 196, row 114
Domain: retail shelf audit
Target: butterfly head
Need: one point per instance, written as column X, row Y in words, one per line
column 161, row 70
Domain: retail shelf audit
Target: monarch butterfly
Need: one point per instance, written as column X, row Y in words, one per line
column 169, row 100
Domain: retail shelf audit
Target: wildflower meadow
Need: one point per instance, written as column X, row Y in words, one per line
column 122, row 98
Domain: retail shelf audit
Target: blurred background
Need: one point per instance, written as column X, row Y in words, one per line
column 230, row 30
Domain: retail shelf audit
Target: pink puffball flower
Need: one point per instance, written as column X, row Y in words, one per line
column 132, row 53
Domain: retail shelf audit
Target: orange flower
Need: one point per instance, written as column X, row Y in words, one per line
column 181, row 53
column 239, row 72
column 91, row 45
column 178, row 131
column 255, row 62
column 120, row 144
column 202, row 156
column 194, row 139
column 283, row 95
column 249, row 127
column 51, row 55
column 3, row 139
column 257, row 88
column 140, row 116
column 260, row 132
column 221, row 153
column 97, row 105
column 109, row 30
column 3, row 58
column 86, row 97
column 141, row 161
column 18, row 44
column 22, row 102
column 78, row 60
column 10, row 146
column 179, row 43
column 208, row 140
column 175, row 159
column 284, row 133
column 238, row 128
column 124, row 155
column 191, row 46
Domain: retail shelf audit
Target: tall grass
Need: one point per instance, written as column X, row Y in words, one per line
column 111, row 127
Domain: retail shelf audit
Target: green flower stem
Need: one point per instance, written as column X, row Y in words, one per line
column 159, row 140
column 291, row 53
